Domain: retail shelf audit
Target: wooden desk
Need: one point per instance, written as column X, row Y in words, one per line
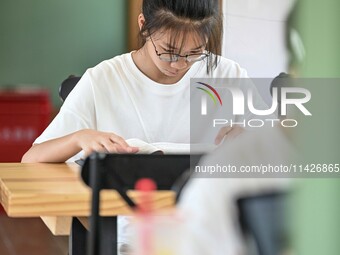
column 56, row 193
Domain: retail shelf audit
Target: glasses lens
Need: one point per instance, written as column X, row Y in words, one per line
column 174, row 57
column 196, row 57
column 168, row 57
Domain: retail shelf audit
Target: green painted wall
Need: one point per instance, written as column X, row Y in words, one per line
column 44, row 41
column 317, row 201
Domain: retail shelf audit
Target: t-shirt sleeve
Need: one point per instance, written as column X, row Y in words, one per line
column 240, row 79
column 257, row 101
column 247, row 84
column 77, row 112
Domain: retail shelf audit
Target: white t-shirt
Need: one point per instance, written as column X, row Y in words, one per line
column 115, row 96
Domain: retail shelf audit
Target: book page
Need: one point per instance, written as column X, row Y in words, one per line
column 170, row 148
column 173, row 148
column 144, row 147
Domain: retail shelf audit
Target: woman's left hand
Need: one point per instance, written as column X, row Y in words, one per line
column 228, row 133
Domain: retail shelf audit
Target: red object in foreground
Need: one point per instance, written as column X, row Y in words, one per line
column 145, row 186
column 144, row 211
column 24, row 114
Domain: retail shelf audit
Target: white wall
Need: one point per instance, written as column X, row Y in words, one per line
column 254, row 36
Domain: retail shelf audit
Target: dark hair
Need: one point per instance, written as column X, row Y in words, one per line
column 181, row 17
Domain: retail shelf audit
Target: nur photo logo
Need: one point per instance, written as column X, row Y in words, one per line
column 212, row 93
column 242, row 103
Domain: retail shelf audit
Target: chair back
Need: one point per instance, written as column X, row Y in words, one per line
column 67, row 85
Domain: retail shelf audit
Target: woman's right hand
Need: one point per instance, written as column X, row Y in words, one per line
column 90, row 140
column 62, row 148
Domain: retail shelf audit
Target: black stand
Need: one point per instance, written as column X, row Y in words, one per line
column 78, row 239
column 120, row 172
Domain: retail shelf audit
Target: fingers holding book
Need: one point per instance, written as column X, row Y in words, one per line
column 91, row 140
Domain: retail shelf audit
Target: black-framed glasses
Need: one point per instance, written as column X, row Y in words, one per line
column 172, row 57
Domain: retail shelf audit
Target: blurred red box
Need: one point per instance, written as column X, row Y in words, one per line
column 24, row 114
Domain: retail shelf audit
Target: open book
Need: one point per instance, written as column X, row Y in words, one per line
column 169, row 148
column 165, row 148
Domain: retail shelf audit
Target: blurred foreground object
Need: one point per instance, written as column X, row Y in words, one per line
column 213, row 203
column 317, row 223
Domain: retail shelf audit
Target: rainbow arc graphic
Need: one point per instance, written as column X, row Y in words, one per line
column 212, row 93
